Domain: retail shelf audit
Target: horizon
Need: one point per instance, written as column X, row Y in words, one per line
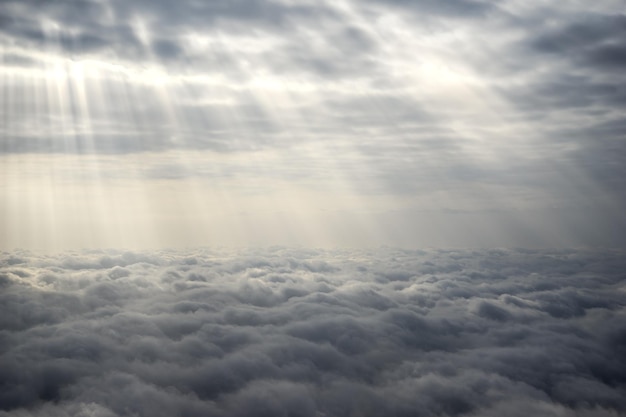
column 312, row 208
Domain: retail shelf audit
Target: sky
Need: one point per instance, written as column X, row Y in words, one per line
column 151, row 124
column 312, row 208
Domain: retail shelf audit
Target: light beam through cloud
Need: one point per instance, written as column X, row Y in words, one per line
column 403, row 124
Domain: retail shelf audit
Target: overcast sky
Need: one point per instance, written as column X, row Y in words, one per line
column 320, row 123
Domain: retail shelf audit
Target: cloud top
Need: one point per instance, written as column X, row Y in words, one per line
column 310, row 333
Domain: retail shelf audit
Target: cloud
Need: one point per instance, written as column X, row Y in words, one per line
column 303, row 332
column 79, row 28
column 494, row 117
column 596, row 41
column 456, row 8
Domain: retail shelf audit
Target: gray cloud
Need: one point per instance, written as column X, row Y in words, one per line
column 78, row 31
column 596, row 41
column 84, row 27
column 456, row 8
column 453, row 106
column 304, row 332
column 166, row 49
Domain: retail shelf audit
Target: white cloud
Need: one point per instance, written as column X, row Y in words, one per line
column 308, row 332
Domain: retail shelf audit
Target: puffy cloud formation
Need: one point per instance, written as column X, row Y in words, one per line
column 294, row 332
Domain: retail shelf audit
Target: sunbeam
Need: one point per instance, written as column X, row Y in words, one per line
column 255, row 208
column 365, row 126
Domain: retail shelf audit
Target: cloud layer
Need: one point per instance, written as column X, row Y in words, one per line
column 406, row 106
column 313, row 333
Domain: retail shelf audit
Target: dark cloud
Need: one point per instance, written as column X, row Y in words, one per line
column 308, row 333
column 577, row 57
column 83, row 27
column 611, row 57
column 455, row 8
column 73, row 28
column 571, row 92
column 597, row 41
column 243, row 13
column 17, row 60
column 166, row 49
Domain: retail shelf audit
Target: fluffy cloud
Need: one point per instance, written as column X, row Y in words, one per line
column 313, row 333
